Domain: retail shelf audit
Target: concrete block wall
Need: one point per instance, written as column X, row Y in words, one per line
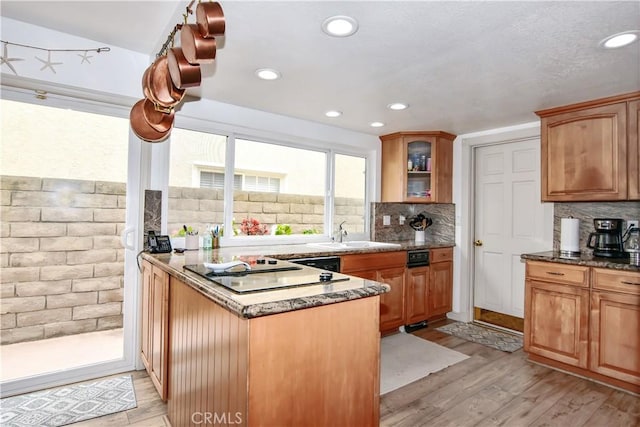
column 61, row 257
column 62, row 260
column 197, row 207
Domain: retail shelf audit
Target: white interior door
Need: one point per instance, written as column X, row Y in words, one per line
column 509, row 220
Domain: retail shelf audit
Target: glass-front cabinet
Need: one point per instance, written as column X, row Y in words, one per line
column 417, row 167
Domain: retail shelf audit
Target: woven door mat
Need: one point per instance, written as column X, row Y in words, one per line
column 491, row 338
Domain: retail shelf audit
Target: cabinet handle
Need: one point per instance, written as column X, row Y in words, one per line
column 630, row 283
column 555, row 273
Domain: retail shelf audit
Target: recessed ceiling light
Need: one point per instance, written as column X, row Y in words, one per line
column 619, row 40
column 376, row 124
column 398, row 106
column 333, row 113
column 340, row 26
column 268, row 74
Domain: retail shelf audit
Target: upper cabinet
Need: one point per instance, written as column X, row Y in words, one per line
column 589, row 151
column 417, row 167
column 633, row 163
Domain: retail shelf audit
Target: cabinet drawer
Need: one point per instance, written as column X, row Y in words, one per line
column 440, row 254
column 373, row 261
column 558, row 273
column 616, row 280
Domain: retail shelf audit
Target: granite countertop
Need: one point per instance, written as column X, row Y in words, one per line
column 584, row 259
column 263, row 303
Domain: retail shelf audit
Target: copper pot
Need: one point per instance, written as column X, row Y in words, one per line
column 197, row 49
column 142, row 128
column 210, row 19
column 159, row 118
column 160, row 88
column 183, row 74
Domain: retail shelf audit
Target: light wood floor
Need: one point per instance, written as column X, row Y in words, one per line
column 490, row 388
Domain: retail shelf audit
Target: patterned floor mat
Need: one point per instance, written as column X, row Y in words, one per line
column 478, row 334
column 66, row 405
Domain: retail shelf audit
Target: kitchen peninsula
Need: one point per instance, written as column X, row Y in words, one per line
column 292, row 356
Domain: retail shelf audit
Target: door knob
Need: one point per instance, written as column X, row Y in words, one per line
column 478, row 243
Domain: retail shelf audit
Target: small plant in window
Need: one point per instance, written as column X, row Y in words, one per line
column 252, row 227
column 283, row 229
column 310, row 231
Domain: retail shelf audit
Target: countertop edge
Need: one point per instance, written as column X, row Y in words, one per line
column 216, row 293
column 584, row 260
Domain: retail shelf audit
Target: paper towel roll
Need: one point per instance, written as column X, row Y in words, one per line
column 569, row 235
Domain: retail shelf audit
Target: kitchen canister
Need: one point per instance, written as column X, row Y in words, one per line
column 420, row 236
column 570, row 236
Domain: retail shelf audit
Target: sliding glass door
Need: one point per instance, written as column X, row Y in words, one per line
column 68, row 283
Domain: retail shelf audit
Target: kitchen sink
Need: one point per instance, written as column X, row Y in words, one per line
column 353, row 244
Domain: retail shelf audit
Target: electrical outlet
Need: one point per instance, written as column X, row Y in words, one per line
column 632, row 223
column 402, row 219
column 386, row 219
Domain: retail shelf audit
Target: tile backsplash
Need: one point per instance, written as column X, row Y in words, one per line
column 441, row 231
column 586, row 212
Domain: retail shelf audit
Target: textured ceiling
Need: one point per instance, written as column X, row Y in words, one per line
column 462, row 66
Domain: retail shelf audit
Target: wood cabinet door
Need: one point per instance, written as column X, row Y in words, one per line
column 145, row 332
column 417, row 284
column 584, row 154
column 159, row 317
column 440, row 290
column 426, row 185
column 633, row 141
column 557, row 322
column 392, row 313
column 615, row 336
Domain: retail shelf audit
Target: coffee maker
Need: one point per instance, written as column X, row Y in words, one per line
column 607, row 239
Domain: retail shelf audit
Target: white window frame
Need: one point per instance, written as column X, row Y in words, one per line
column 330, row 150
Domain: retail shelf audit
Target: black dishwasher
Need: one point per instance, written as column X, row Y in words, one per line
column 330, row 263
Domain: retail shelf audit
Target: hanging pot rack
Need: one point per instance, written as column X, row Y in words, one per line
column 139, row 123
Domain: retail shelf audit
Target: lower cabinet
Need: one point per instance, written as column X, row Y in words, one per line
column 440, row 294
column 154, row 333
column 417, row 294
column 385, row 267
column 558, row 322
column 429, row 292
column 615, row 325
column 587, row 318
column 417, row 307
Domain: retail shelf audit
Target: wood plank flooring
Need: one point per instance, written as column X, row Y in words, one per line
column 490, row 388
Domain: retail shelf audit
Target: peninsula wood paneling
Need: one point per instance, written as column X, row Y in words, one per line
column 208, row 361
column 330, row 378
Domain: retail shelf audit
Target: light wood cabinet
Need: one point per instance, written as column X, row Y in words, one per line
column 586, row 150
column 556, row 322
column 633, row 141
column 615, row 325
column 154, row 325
column 587, row 319
column 440, row 289
column 298, row 368
column 417, row 167
column 417, row 307
column 385, row 267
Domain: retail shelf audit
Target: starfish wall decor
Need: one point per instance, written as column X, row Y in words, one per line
column 48, row 63
column 5, row 60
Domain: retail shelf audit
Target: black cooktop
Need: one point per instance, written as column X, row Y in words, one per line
column 265, row 274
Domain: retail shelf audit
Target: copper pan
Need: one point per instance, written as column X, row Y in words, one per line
column 210, row 19
column 161, row 89
column 141, row 128
column 197, row 49
column 183, row 74
column 159, row 118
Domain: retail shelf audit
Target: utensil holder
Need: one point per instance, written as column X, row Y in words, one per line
column 419, row 236
column 191, row 242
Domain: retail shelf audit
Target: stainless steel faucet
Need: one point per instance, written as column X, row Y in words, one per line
column 341, row 232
